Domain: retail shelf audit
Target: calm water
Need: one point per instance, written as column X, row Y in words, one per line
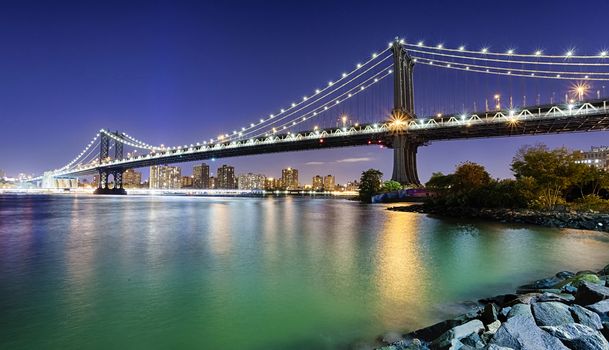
column 131, row 272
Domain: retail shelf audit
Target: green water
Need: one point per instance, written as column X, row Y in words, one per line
column 86, row 272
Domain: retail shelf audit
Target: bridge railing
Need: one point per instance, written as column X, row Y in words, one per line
column 510, row 116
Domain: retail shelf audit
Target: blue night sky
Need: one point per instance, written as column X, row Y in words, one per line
column 177, row 72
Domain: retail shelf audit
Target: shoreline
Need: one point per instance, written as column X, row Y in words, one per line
column 565, row 311
column 556, row 219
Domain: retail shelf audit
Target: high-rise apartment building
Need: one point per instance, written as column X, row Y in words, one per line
column 318, row 183
column 289, row 178
column 200, row 175
column 132, row 178
column 225, row 178
column 187, row 181
column 251, row 181
column 329, row 183
column 165, row 177
column 596, row 156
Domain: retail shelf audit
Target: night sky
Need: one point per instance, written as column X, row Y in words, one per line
column 178, row 72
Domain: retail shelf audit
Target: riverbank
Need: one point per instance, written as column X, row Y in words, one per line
column 566, row 311
column 564, row 219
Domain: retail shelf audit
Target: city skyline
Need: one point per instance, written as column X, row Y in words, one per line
column 167, row 104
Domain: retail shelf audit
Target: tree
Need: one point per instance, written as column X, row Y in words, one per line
column 553, row 171
column 439, row 183
column 391, row 185
column 370, row 184
column 469, row 176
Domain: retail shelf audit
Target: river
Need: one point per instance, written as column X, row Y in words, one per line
column 143, row 272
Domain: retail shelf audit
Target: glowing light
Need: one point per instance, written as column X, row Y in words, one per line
column 420, row 43
column 484, row 50
column 461, row 48
column 510, row 51
column 569, row 53
column 440, row 46
column 603, row 54
column 538, row 53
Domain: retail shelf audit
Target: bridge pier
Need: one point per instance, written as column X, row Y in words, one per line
column 103, row 186
column 405, row 160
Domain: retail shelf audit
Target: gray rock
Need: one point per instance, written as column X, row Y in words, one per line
column 565, row 274
column 497, row 347
column 521, row 333
column 569, row 289
column 605, row 330
column 586, row 317
column 504, row 312
column 520, row 310
column 604, row 271
column 601, row 308
column 545, row 283
column 578, row 337
column 473, row 340
column 590, row 293
column 489, row 314
column 493, row 327
column 551, row 314
column 450, row 339
column 547, row 296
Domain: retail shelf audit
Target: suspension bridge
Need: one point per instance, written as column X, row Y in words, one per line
column 374, row 104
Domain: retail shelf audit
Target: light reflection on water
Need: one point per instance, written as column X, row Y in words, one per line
column 165, row 272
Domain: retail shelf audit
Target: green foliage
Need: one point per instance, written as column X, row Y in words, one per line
column 553, row 171
column 390, row 186
column 591, row 202
column 370, row 184
column 544, row 178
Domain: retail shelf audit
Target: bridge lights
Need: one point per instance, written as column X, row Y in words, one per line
column 569, row 53
column 603, row 54
column 538, row 53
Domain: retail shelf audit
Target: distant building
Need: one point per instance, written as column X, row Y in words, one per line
column 165, row 177
column 251, row 181
column 95, row 181
column 132, row 179
column 272, row 184
column 200, row 175
column 187, row 181
column 318, row 183
column 289, row 178
column 329, row 183
column 212, row 182
column 225, row 177
column 2, row 174
column 352, row 186
column 597, row 156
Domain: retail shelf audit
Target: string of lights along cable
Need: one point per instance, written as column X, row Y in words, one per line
column 328, row 104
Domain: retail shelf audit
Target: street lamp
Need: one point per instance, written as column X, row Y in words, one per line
column 497, row 98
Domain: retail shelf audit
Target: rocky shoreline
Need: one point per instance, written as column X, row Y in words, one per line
column 566, row 311
column 560, row 219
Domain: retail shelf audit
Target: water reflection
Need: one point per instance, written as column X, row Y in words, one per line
column 131, row 272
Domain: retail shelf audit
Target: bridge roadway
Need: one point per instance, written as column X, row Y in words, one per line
column 547, row 119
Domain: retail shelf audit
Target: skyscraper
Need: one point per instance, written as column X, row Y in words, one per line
column 318, row 183
column 132, row 178
column 289, row 178
column 329, row 183
column 200, row 175
column 251, row 181
column 226, row 177
column 165, row 177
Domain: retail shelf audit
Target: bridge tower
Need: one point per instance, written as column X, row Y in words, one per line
column 104, row 172
column 404, row 146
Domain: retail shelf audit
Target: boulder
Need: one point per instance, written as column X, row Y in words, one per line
column 521, row 333
column 545, row 283
column 489, row 314
column 590, row 293
column 434, row 331
column 578, row 337
column 586, row 317
column 450, row 339
column 565, row 274
column 578, row 279
column 497, row 347
column 493, row 327
column 550, row 296
column 604, row 271
column 601, row 308
column 504, row 313
column 551, row 314
column 605, row 330
column 473, row 341
column 520, row 310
